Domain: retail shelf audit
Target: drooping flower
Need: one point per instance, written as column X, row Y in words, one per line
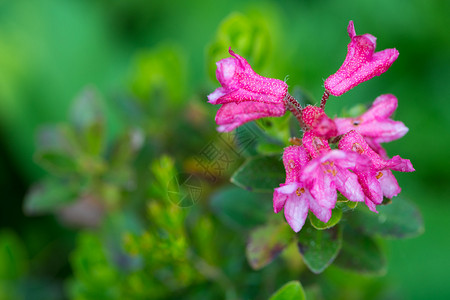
column 232, row 115
column 378, row 181
column 329, row 170
column 375, row 124
column 318, row 122
column 245, row 94
column 293, row 196
column 361, row 63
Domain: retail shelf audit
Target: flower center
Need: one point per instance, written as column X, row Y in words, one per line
column 357, row 148
column 300, row 191
column 329, row 168
column 379, row 175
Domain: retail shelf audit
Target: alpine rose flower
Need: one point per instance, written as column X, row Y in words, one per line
column 378, row 181
column 361, row 64
column 375, row 124
column 328, row 171
column 293, row 196
column 245, row 95
column 318, row 122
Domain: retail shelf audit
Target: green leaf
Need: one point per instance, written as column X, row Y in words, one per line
column 260, row 174
column 360, row 253
column 57, row 150
column 241, row 209
column 266, row 242
column 13, row 260
column 319, row 247
column 292, row 290
column 398, row 220
column 335, row 218
column 248, row 35
column 87, row 117
column 56, row 162
column 49, row 195
column 159, row 73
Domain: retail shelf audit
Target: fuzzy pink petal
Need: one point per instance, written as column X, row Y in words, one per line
column 400, row 164
column 371, row 186
column 354, row 141
column 322, row 213
column 294, row 158
column 317, row 121
column 315, row 145
column 382, row 108
column 347, row 183
column 383, row 131
column 375, row 146
column 279, row 199
column 296, row 210
column 360, row 64
column 232, row 115
column 240, row 83
column 389, row 184
column 372, row 206
column 319, row 183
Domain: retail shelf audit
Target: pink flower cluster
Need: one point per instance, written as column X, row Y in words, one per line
column 357, row 167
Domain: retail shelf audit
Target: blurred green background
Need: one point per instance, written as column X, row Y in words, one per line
column 50, row 50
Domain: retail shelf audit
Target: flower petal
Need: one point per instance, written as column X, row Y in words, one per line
column 232, row 115
column 322, row 213
column 347, row 183
column 360, row 64
column 296, row 211
column 389, row 184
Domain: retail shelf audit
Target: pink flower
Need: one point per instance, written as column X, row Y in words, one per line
column 245, row 94
column 232, row 115
column 378, row 181
column 361, row 63
column 318, row 122
column 329, row 170
column 375, row 125
column 293, row 196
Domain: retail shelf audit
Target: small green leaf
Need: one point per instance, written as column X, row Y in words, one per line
column 87, row 117
column 398, row 220
column 292, row 290
column 56, row 162
column 266, row 242
column 351, row 204
column 241, row 209
column 159, row 73
column 335, row 218
column 49, row 195
column 260, row 174
column 319, row 247
column 360, row 253
column 248, row 35
column 13, row 260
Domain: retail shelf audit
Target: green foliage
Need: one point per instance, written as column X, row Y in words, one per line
column 260, row 174
column 248, row 35
column 49, row 195
column 335, row 218
column 292, row 290
column 241, row 209
column 398, row 220
column 159, row 73
column 360, row 253
column 112, row 164
column 319, row 247
column 266, row 242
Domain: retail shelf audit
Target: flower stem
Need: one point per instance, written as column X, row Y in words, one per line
column 324, row 99
column 295, row 108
